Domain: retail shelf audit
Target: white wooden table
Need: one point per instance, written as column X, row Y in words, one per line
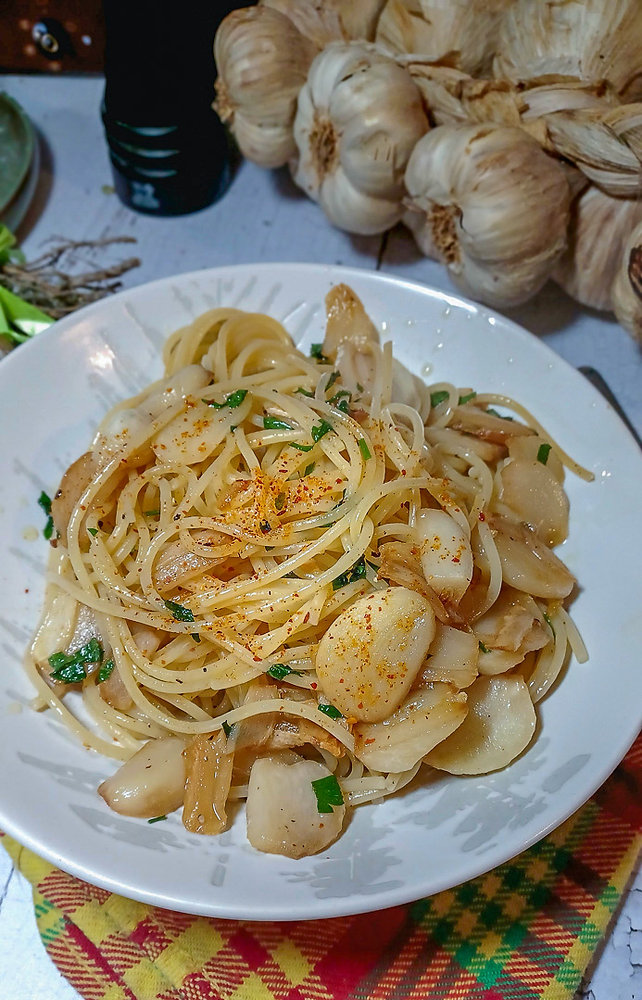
column 262, row 217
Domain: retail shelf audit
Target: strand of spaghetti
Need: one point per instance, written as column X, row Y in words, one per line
column 496, row 399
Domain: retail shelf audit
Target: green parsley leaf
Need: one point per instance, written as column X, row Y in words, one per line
column 495, row 413
column 438, row 397
column 357, row 572
column 274, row 424
column 70, row 668
column 44, row 501
column 328, row 793
column 281, row 670
column 305, row 392
column 330, row 711
column 48, row 529
column 483, row 648
column 309, row 469
column 333, row 378
column 279, row 501
column 301, row 447
column 543, row 453
column 319, row 430
column 317, row 352
column 227, row 729
column 233, row 400
column 466, row 399
column 549, row 623
column 152, row 513
column 93, row 531
column 180, row 613
column 195, row 636
column 105, row 671
column 156, row 819
column 363, row 448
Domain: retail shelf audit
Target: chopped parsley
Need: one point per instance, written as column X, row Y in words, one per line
column 328, row 793
column 305, row 392
column 93, row 531
column 105, row 671
column 483, row 648
column 279, row 501
column 333, row 378
column 195, row 636
column 152, row 513
column 543, row 452
column 274, row 424
column 71, row 668
column 466, row 399
column 357, row 572
column 301, row 447
column 363, row 448
column 319, row 430
column 440, row 396
column 156, row 819
column 44, row 501
column 227, row 729
column 494, row 413
column 549, row 623
column 316, row 352
column 330, row 711
column 179, row 613
column 309, row 469
column 281, row 670
column 232, row 401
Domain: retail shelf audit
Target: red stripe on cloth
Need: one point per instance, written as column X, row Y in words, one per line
column 84, row 965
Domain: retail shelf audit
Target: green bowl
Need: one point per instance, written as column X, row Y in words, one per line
column 17, row 142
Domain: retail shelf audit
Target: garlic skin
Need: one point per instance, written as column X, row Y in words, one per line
column 262, row 61
column 599, row 228
column 332, row 20
column 461, row 33
column 358, row 118
column 626, row 294
column 605, row 143
column 492, row 205
column 590, row 40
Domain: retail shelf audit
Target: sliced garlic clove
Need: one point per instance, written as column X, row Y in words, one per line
column 151, row 783
column 424, row 719
column 499, row 726
column 527, row 562
column 452, row 657
column 369, row 657
column 282, row 811
column 626, row 293
column 535, row 496
column 489, row 203
column 446, row 555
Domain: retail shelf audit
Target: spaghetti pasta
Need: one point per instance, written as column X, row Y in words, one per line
column 315, row 563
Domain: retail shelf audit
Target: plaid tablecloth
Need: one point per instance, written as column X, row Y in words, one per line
column 525, row 931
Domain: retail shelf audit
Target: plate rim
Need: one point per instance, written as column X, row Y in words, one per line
column 333, row 907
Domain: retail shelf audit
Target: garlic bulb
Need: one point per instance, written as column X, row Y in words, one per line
column 599, row 228
column 262, row 61
column 358, row 118
column 606, row 144
column 454, row 97
column 590, row 40
column 490, row 204
column 462, row 33
column 332, row 20
column 626, row 294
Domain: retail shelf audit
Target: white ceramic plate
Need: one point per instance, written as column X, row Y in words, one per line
column 54, row 390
